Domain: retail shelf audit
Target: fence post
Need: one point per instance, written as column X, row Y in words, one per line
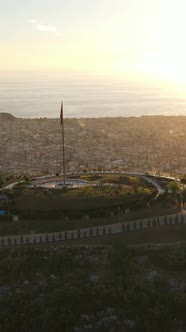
column 165, row 219
column 176, row 220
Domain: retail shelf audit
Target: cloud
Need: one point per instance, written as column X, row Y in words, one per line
column 32, row 21
column 42, row 27
column 46, row 28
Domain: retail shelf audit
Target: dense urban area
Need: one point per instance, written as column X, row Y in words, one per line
column 144, row 144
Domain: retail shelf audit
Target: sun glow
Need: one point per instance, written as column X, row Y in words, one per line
column 129, row 39
column 167, row 59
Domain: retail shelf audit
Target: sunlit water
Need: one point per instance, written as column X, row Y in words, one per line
column 39, row 95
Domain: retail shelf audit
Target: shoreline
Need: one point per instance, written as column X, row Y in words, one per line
column 145, row 116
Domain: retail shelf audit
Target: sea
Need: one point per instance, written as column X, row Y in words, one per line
column 39, row 95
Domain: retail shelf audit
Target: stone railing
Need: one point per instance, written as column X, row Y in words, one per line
column 93, row 231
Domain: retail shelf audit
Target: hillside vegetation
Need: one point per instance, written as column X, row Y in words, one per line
column 93, row 289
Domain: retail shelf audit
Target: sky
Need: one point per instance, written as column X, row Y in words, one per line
column 125, row 38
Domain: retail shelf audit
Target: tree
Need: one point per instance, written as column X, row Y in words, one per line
column 173, row 187
column 183, row 179
column 2, row 182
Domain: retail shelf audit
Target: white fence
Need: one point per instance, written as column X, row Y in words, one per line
column 93, row 231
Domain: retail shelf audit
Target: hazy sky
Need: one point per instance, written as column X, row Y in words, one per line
column 128, row 38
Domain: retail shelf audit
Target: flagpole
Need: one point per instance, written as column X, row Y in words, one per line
column 63, row 142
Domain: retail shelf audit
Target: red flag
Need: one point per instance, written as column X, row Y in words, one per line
column 61, row 114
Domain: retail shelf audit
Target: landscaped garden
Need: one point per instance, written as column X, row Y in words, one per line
column 53, row 210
